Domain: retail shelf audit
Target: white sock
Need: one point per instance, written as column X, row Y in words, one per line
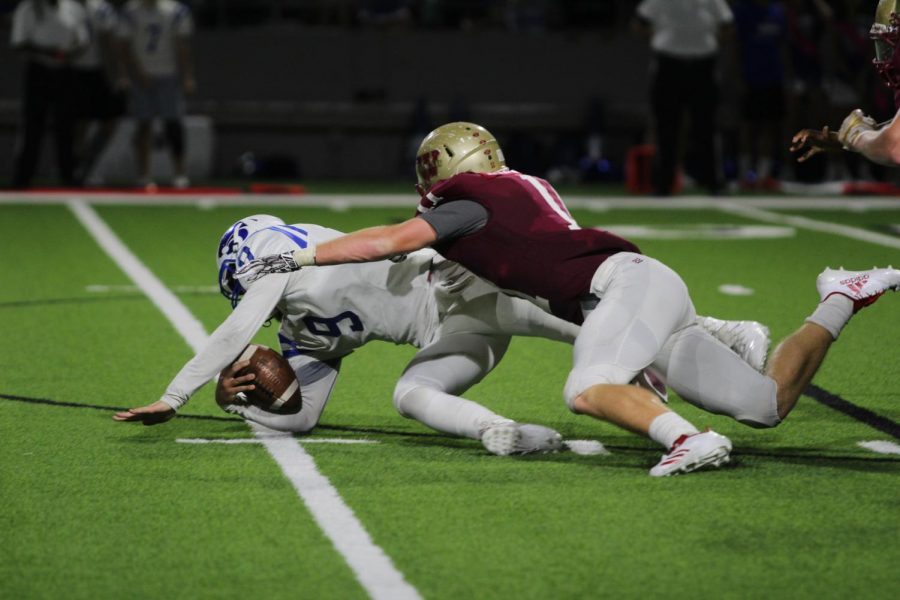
column 668, row 427
column 447, row 413
column 833, row 313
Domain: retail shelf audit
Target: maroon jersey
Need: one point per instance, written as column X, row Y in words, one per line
column 531, row 243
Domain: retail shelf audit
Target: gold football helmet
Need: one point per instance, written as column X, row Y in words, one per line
column 886, row 34
column 456, row 148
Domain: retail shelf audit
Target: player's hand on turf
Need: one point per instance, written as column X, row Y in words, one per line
column 813, row 141
column 274, row 263
column 158, row 412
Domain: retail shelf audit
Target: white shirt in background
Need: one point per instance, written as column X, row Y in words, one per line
column 61, row 27
column 686, row 28
column 152, row 30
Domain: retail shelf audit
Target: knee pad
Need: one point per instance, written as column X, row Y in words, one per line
column 175, row 136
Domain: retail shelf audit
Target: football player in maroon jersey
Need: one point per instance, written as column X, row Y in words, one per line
column 879, row 143
column 514, row 230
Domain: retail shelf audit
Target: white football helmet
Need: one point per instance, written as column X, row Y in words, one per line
column 231, row 243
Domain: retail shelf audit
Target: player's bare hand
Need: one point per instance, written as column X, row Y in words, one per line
column 231, row 383
column 810, row 142
column 158, row 412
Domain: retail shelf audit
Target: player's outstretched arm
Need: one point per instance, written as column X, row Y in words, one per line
column 365, row 245
column 859, row 133
column 152, row 414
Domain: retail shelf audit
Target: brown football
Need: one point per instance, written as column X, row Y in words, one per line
column 276, row 387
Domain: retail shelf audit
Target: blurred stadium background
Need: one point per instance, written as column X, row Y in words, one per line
column 345, row 89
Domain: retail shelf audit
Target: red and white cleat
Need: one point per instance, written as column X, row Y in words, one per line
column 692, row 452
column 863, row 287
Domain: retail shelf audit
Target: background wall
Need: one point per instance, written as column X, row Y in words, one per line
column 350, row 102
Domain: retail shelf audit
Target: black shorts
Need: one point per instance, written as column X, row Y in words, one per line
column 94, row 98
column 763, row 104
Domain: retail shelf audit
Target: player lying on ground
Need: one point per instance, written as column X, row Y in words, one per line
column 461, row 323
column 879, row 143
column 514, row 230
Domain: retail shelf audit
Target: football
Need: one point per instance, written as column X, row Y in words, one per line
column 276, row 387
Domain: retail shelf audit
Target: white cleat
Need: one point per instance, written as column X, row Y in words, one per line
column 749, row 339
column 863, row 287
column 516, row 438
column 692, row 452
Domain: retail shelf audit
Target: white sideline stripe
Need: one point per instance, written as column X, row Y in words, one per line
column 880, row 447
column 259, row 441
column 805, row 223
column 344, row 201
column 371, row 566
column 185, row 323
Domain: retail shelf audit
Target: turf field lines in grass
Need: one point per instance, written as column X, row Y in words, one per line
column 371, row 566
column 259, row 441
column 811, row 224
column 185, row 323
column 881, row 447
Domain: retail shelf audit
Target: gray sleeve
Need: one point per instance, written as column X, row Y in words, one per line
column 456, row 219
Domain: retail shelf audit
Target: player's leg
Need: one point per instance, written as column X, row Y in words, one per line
column 702, row 107
column 172, row 113
column 709, row 375
column 843, row 293
column 37, row 97
column 643, row 303
column 429, row 389
column 470, row 304
column 64, row 130
column 667, row 101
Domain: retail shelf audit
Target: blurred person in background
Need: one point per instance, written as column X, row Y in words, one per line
column 156, row 54
column 685, row 39
column 98, row 102
column 761, row 31
column 49, row 33
column 879, row 143
column 808, row 22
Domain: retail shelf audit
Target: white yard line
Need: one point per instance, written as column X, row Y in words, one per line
column 371, row 566
column 855, row 233
column 881, row 447
column 259, row 440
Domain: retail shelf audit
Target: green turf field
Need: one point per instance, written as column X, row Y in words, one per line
column 97, row 509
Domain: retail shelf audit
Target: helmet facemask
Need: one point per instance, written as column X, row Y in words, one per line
column 230, row 244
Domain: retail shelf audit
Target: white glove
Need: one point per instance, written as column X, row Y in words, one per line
column 273, row 263
column 853, row 126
